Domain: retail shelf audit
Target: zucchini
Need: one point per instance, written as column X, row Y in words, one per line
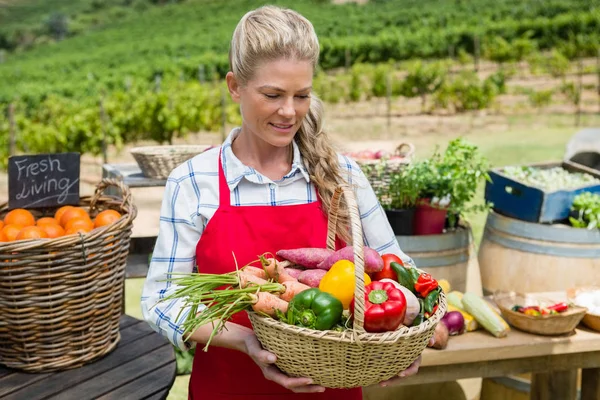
column 485, row 315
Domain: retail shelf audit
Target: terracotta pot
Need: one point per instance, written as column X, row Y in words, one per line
column 429, row 220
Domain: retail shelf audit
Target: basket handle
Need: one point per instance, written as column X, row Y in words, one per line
column 406, row 153
column 127, row 201
column 358, row 246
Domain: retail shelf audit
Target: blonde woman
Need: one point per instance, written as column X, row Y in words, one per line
column 268, row 187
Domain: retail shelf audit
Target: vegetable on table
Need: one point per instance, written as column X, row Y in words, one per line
column 444, row 285
column 454, row 298
column 339, row 281
column 314, row 309
column 485, row 315
column 537, row 311
column 425, row 284
column 385, row 307
column 373, row 261
column 312, row 277
column 413, row 307
column 440, row 336
column 470, row 322
column 455, row 322
column 387, row 272
column 308, row 257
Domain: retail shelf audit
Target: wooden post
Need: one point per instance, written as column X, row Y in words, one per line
column 103, row 128
column 201, row 73
column 12, row 129
column 157, row 80
column 579, row 89
column 590, row 384
column 476, row 53
column 557, row 385
column 388, row 94
column 223, row 114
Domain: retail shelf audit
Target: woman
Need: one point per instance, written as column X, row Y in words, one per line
column 268, row 187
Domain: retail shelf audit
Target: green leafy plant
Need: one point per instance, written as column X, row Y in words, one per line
column 585, row 211
column 404, row 190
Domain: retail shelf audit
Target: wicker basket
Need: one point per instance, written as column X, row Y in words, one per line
column 60, row 299
column 158, row 161
column 590, row 320
column 352, row 358
column 379, row 172
column 557, row 324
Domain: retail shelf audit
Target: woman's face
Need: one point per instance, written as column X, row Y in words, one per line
column 275, row 101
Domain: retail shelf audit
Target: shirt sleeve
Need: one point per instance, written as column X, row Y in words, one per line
column 180, row 228
column 377, row 231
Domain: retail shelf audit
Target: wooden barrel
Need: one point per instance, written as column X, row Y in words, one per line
column 444, row 256
column 528, row 257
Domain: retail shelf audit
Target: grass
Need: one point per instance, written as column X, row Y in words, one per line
column 528, row 139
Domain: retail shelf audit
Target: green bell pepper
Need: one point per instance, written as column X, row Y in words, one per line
column 314, row 309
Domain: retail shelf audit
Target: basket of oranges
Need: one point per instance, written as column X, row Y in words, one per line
column 61, row 280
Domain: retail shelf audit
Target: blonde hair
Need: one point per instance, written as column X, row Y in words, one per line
column 270, row 33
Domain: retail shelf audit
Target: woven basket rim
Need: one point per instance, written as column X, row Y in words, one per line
column 348, row 336
column 571, row 312
column 167, row 149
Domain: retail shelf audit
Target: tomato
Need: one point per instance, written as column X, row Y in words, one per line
column 387, row 271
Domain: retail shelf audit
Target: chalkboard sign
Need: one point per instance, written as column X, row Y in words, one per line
column 43, row 180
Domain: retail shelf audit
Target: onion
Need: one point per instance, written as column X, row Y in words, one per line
column 455, row 322
column 412, row 303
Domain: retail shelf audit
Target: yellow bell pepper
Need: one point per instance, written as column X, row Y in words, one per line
column 339, row 282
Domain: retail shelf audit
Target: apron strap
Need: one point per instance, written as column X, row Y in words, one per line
column 224, row 192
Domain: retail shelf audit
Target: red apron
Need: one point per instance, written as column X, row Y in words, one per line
column 248, row 231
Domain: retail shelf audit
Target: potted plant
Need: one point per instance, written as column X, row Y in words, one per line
column 401, row 198
column 450, row 184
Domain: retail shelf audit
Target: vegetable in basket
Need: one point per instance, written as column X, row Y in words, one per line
column 385, row 307
column 373, row 261
column 406, row 276
column 339, row 281
column 314, row 309
column 308, row 257
column 413, row 307
column 387, row 272
column 425, row 284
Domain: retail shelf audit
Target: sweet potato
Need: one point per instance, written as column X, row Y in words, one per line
column 311, row 277
column 308, row 257
column 373, row 261
column 294, row 272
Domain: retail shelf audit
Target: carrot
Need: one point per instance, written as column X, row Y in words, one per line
column 268, row 303
column 274, row 270
column 247, row 279
column 250, row 270
column 308, row 257
column 292, row 288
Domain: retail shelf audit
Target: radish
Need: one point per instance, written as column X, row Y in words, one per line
column 312, row 277
column 373, row 261
column 308, row 257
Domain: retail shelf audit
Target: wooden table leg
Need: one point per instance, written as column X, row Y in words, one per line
column 590, row 384
column 557, row 385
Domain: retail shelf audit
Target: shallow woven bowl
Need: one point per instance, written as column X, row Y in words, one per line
column 354, row 357
column 590, row 320
column 158, row 161
column 558, row 324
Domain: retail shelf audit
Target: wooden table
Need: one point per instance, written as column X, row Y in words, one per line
column 554, row 362
column 141, row 367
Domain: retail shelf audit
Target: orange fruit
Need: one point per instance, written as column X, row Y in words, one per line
column 31, row 232
column 106, row 217
column 71, row 231
column 59, row 213
column 71, row 213
column 80, row 222
column 46, row 221
column 53, row 230
column 10, row 232
column 19, row 216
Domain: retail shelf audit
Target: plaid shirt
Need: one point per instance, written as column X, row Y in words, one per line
column 191, row 199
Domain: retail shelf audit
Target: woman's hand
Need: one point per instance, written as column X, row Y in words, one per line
column 265, row 361
column 411, row 370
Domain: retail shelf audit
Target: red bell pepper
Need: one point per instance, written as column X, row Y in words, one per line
column 387, row 271
column 385, row 307
column 425, row 284
column 559, row 307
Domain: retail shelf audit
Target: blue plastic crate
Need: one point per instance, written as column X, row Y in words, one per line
column 528, row 203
